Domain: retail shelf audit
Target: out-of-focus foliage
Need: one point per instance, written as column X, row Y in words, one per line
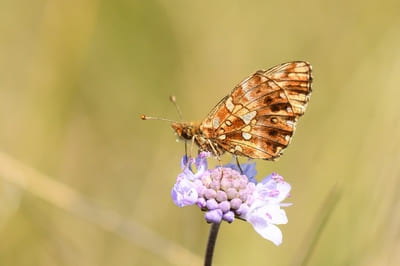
column 82, row 177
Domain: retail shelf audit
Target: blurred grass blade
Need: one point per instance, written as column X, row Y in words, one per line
column 318, row 226
column 66, row 198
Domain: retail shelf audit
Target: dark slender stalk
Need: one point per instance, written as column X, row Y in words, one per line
column 238, row 164
column 212, row 238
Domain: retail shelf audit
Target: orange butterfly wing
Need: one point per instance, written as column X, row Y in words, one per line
column 258, row 118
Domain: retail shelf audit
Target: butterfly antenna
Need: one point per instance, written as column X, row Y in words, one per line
column 145, row 117
column 172, row 98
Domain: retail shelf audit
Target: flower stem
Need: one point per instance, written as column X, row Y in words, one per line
column 212, row 238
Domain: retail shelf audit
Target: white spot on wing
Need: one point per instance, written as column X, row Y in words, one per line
column 229, row 105
column 238, row 148
column 216, row 122
column 228, row 123
column 290, row 123
column 248, row 117
column 222, row 137
column 246, row 135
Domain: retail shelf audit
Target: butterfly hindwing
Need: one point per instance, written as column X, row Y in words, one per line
column 257, row 119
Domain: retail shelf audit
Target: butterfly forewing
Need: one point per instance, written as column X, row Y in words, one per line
column 258, row 118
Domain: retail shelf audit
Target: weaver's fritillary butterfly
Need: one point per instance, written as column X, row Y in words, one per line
column 258, row 118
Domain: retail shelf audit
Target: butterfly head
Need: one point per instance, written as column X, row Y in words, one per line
column 186, row 130
column 183, row 130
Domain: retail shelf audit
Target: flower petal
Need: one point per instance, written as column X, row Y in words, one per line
column 270, row 232
column 184, row 161
column 274, row 214
column 284, row 189
column 184, row 193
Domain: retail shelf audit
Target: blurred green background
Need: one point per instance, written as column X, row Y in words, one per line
column 83, row 181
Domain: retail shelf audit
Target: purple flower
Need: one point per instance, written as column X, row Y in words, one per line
column 224, row 194
column 249, row 169
column 264, row 208
column 184, row 192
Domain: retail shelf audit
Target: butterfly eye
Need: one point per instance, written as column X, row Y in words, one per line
column 187, row 132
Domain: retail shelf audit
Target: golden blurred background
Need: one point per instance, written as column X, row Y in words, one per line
column 83, row 181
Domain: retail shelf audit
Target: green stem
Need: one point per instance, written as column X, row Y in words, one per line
column 212, row 238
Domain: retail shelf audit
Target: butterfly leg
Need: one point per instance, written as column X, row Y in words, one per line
column 189, row 157
column 186, row 151
column 216, row 153
column 238, row 164
column 191, row 146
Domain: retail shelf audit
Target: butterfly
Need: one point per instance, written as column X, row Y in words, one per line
column 258, row 118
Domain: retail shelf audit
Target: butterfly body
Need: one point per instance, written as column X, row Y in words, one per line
column 204, row 140
column 258, row 118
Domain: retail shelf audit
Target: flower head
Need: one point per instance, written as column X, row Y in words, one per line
column 249, row 169
column 224, row 194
